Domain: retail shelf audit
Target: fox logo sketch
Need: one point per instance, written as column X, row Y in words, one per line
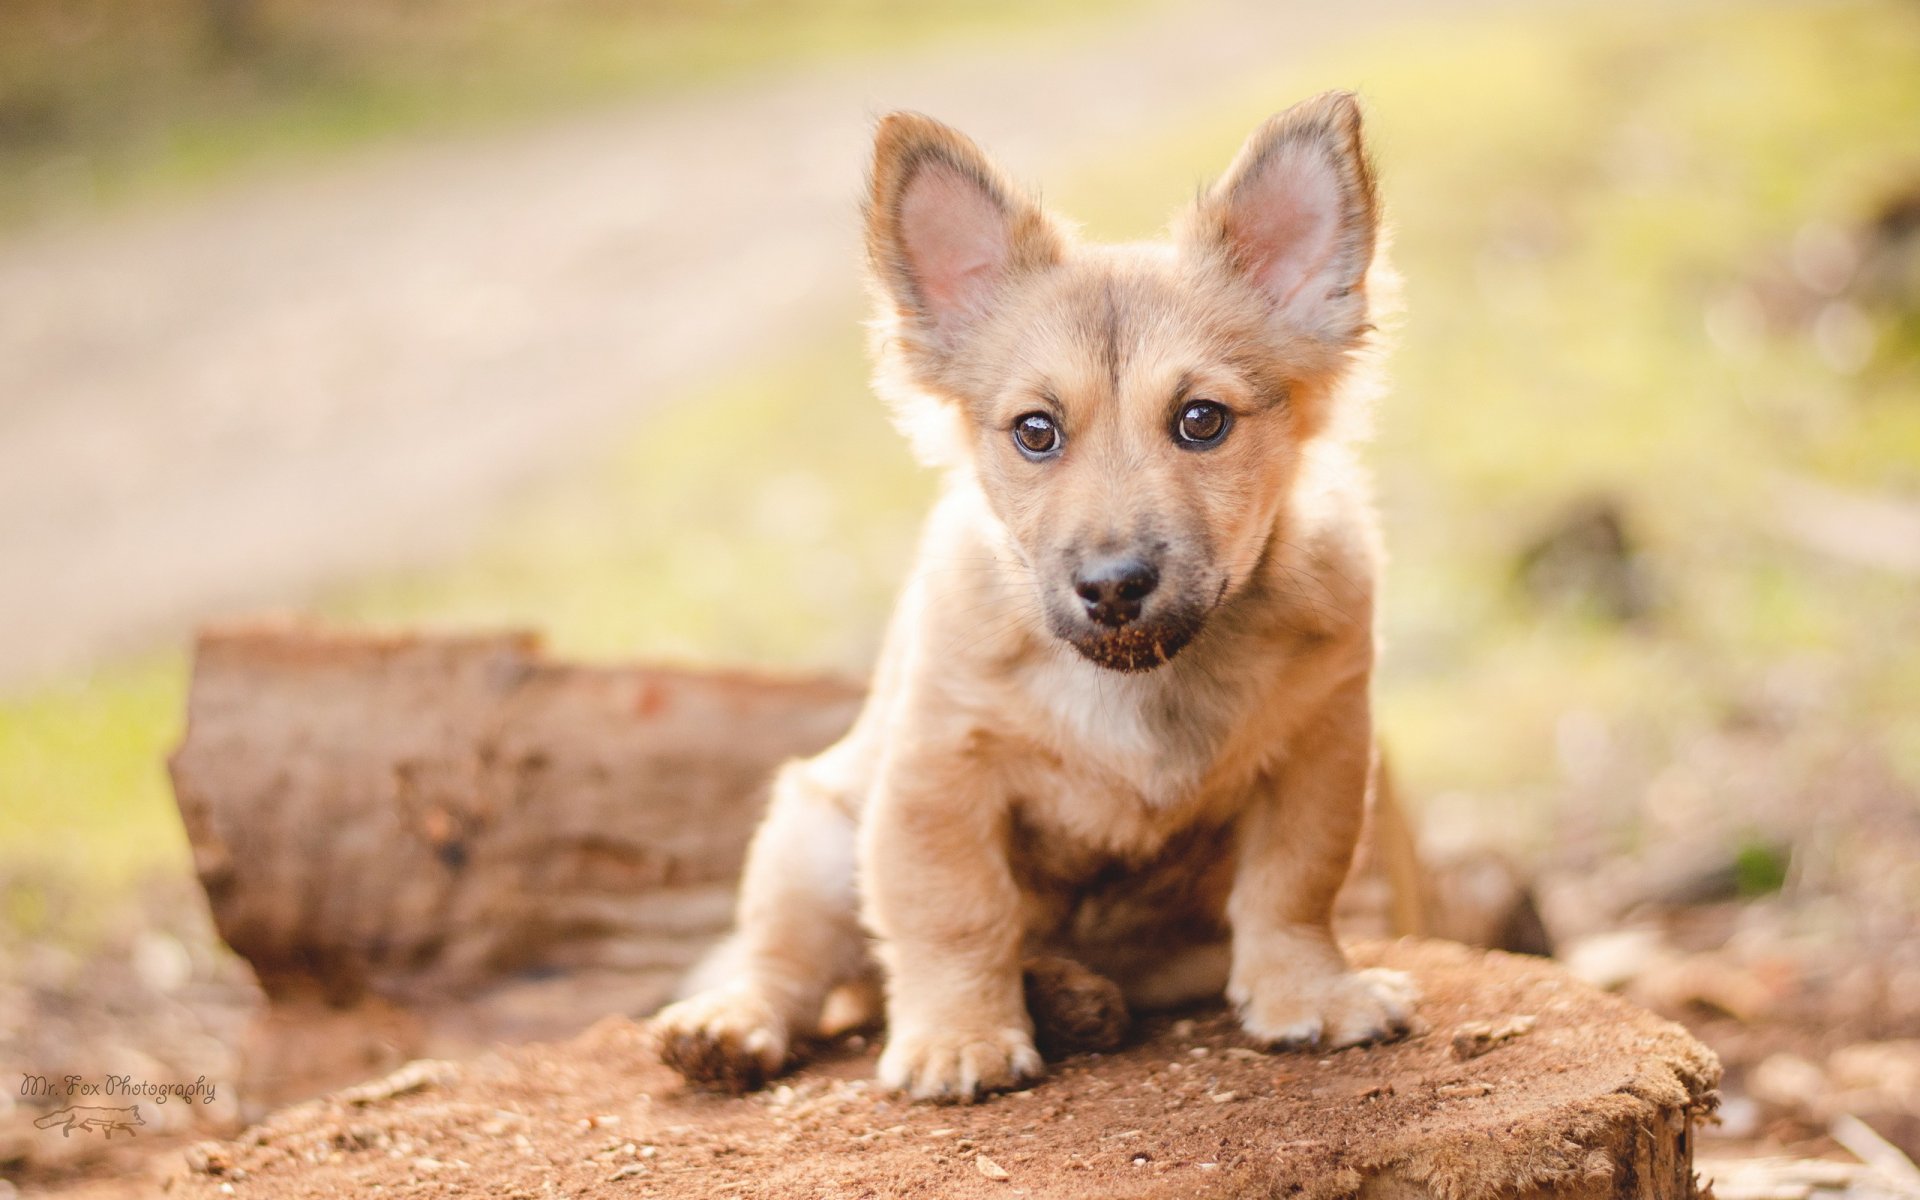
column 106, row 1120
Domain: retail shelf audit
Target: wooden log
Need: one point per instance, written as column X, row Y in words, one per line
column 428, row 818
column 1522, row 1083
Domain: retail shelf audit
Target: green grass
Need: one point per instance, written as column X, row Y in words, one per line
column 1572, row 197
column 82, row 777
column 105, row 101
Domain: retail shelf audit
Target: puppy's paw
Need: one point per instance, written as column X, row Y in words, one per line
column 1074, row 1010
column 959, row 1065
column 1328, row 1011
column 728, row 1038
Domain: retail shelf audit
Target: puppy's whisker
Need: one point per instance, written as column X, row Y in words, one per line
column 991, row 633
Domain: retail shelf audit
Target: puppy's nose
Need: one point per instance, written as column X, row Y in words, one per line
column 1112, row 588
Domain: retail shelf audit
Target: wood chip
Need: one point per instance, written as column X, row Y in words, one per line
column 1780, row 1178
column 1477, row 1037
column 209, row 1158
column 1886, row 1159
column 414, row 1077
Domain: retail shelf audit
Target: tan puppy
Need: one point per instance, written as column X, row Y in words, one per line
column 1122, row 711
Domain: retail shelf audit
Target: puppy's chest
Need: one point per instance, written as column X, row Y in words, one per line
column 1126, row 761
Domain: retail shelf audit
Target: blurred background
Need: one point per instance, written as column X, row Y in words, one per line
column 546, row 313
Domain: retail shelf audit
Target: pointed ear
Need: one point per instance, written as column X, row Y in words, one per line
column 1296, row 216
column 945, row 230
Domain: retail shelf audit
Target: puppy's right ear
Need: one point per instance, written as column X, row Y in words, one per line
column 945, row 230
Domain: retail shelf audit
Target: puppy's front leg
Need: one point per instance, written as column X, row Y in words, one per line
column 942, row 898
column 797, row 934
column 1290, row 980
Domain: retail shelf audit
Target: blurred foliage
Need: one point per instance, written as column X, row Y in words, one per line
column 1760, row 868
column 101, row 99
column 1589, row 208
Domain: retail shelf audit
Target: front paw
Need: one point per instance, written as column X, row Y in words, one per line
column 959, row 1065
column 1344, row 1008
column 727, row 1038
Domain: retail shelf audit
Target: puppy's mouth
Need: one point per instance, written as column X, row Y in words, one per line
column 1138, row 646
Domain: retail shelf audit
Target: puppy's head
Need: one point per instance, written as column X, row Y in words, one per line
column 1132, row 414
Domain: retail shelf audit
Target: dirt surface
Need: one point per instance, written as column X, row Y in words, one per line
column 242, row 399
column 149, row 994
column 1188, row 1109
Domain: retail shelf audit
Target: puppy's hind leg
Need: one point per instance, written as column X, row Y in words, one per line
column 797, row 935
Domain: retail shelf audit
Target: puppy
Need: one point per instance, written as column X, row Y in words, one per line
column 1121, row 714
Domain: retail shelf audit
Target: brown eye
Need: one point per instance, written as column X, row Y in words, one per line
column 1037, row 435
column 1202, row 424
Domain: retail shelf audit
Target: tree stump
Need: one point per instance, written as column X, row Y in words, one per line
column 1521, row 1083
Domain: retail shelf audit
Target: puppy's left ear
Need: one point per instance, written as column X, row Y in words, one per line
column 1296, row 216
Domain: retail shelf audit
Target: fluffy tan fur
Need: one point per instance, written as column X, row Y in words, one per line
column 1180, row 824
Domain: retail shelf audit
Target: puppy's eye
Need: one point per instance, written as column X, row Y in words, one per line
column 1202, row 424
column 1036, row 435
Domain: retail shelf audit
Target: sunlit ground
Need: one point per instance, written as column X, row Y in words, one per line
column 1611, row 229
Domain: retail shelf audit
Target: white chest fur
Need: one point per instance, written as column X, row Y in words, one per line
column 1152, row 737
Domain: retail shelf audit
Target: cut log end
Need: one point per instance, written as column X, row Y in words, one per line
column 1590, row 1098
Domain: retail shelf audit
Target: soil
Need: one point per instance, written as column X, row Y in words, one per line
column 1187, row 1109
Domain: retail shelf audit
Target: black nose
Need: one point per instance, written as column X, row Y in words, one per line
column 1112, row 588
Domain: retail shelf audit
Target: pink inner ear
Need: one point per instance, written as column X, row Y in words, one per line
column 955, row 238
column 1285, row 223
